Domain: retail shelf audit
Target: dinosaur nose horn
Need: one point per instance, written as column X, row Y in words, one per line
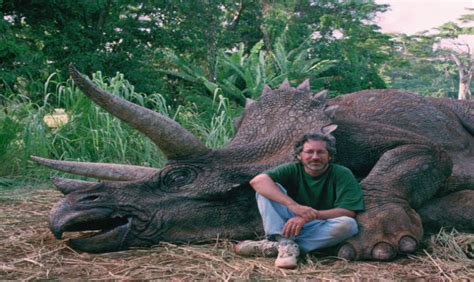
column 67, row 186
column 172, row 139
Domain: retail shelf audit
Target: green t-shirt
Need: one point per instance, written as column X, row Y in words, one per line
column 336, row 188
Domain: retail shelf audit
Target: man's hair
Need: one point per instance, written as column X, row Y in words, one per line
column 329, row 139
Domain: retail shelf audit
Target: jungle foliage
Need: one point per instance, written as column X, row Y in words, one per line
column 194, row 61
column 134, row 37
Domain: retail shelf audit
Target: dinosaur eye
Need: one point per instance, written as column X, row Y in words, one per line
column 177, row 177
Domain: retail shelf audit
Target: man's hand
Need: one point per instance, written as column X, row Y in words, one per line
column 293, row 226
column 305, row 212
column 265, row 186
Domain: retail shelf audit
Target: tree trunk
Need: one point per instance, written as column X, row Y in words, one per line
column 465, row 78
column 266, row 6
column 211, row 40
column 103, row 14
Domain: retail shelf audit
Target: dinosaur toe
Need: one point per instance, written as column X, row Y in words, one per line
column 347, row 252
column 407, row 244
column 383, row 251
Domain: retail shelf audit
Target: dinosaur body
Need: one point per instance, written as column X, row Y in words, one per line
column 414, row 157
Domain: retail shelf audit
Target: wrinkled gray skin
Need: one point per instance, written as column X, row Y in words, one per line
column 413, row 155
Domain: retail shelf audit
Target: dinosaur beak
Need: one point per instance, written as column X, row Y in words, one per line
column 104, row 231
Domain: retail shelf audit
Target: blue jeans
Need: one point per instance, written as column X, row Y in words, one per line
column 315, row 234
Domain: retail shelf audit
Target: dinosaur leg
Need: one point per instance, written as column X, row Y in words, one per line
column 454, row 210
column 402, row 180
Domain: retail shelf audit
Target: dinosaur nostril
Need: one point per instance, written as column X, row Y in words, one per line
column 383, row 251
column 90, row 198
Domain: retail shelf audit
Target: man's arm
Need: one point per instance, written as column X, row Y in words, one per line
column 336, row 212
column 265, row 186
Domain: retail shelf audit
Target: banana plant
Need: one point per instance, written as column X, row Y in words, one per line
column 240, row 75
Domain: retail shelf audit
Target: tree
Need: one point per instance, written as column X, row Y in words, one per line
column 417, row 66
column 123, row 35
column 93, row 35
column 461, row 54
column 465, row 76
column 343, row 31
column 132, row 37
column 358, row 54
column 437, row 61
column 22, row 63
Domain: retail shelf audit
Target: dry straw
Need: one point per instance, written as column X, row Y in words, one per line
column 29, row 251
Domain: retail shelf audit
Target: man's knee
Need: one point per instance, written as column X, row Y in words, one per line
column 344, row 227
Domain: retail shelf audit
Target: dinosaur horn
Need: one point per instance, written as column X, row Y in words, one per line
column 67, row 186
column 99, row 170
column 172, row 139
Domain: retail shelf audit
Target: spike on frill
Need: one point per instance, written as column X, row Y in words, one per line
column 304, row 86
column 266, row 90
column 249, row 102
column 321, row 95
column 330, row 111
column 285, row 85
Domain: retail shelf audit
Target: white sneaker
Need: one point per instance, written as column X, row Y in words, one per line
column 262, row 248
column 288, row 252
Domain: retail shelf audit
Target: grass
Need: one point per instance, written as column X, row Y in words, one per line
column 91, row 134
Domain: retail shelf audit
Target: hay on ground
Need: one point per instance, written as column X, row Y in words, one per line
column 28, row 250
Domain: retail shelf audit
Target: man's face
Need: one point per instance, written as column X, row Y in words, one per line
column 315, row 157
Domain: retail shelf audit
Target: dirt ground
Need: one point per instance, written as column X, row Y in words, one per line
column 29, row 251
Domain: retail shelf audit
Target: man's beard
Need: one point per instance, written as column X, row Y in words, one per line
column 317, row 166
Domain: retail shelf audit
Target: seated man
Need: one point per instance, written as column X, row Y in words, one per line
column 316, row 210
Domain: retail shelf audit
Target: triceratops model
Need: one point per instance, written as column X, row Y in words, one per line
column 414, row 157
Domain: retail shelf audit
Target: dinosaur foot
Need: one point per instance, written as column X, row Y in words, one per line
column 384, row 232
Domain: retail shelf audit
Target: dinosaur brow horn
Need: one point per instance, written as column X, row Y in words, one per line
column 172, row 139
column 99, row 170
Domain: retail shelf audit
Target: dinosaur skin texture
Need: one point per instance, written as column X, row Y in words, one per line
column 414, row 158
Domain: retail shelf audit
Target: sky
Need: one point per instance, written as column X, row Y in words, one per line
column 411, row 16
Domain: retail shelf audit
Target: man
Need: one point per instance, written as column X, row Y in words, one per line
column 305, row 205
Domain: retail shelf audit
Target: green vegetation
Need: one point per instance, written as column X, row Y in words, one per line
column 91, row 134
column 194, row 61
column 240, row 75
column 133, row 37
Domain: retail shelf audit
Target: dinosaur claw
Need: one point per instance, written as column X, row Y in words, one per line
column 347, row 252
column 383, row 251
column 407, row 244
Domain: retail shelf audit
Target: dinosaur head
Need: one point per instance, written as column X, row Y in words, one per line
column 184, row 201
